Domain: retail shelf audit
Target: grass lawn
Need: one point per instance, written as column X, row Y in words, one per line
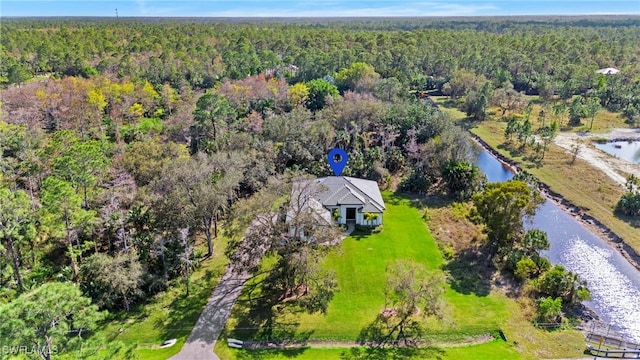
column 448, row 107
column 473, row 308
column 497, row 349
column 169, row 314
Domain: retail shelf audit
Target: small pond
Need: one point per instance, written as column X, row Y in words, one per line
column 626, row 150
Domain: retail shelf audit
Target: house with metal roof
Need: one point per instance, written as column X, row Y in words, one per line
column 342, row 199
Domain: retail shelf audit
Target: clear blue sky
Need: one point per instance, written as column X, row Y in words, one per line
column 288, row 8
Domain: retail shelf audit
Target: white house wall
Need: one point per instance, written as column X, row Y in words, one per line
column 361, row 221
column 343, row 214
column 359, row 216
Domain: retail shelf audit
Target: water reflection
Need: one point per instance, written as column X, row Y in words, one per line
column 613, row 292
column 614, row 283
column 626, row 150
column 494, row 169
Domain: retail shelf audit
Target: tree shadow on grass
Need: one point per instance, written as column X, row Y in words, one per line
column 183, row 312
column 394, row 198
column 634, row 221
column 470, row 271
column 468, row 123
column 513, row 150
column 262, row 318
column 422, row 201
column 261, row 325
column 433, row 202
column 360, row 234
column 379, row 343
column 415, row 200
column 529, row 160
column 123, row 318
column 392, row 353
column 374, row 334
column 257, row 354
column 265, row 332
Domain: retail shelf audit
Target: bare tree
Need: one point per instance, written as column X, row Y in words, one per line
column 194, row 191
column 411, row 290
column 507, row 99
column 286, row 223
column 575, row 150
column 186, row 257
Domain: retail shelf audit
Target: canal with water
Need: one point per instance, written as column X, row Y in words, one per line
column 614, row 283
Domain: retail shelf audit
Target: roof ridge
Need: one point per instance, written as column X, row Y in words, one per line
column 354, row 193
column 339, row 189
column 336, row 193
column 377, row 204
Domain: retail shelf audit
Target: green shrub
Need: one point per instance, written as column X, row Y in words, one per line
column 364, row 229
column 88, row 71
column 369, row 216
column 129, row 133
column 549, row 309
column 460, row 210
column 558, row 282
column 150, row 126
column 629, row 204
column 525, row 269
column 447, row 253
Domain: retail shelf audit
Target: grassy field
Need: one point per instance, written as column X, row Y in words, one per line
column 473, row 306
column 496, row 349
column 603, row 121
column 170, row 314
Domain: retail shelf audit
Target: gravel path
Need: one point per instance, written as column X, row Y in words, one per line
column 203, row 337
column 613, row 167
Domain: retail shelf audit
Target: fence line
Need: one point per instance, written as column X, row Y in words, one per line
column 603, row 336
column 289, row 333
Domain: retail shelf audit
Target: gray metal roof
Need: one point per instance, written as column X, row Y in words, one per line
column 302, row 200
column 344, row 190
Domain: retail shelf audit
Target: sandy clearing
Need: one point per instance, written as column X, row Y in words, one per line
column 614, row 167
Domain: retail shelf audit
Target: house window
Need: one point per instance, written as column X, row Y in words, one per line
column 351, row 213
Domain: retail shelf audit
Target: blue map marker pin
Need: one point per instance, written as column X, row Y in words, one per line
column 337, row 160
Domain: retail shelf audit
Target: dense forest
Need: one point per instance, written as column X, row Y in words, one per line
column 125, row 143
column 530, row 54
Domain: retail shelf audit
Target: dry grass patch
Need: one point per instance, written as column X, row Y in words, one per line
column 536, row 343
column 448, row 223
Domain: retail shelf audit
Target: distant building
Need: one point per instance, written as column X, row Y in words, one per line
column 608, row 71
column 282, row 71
